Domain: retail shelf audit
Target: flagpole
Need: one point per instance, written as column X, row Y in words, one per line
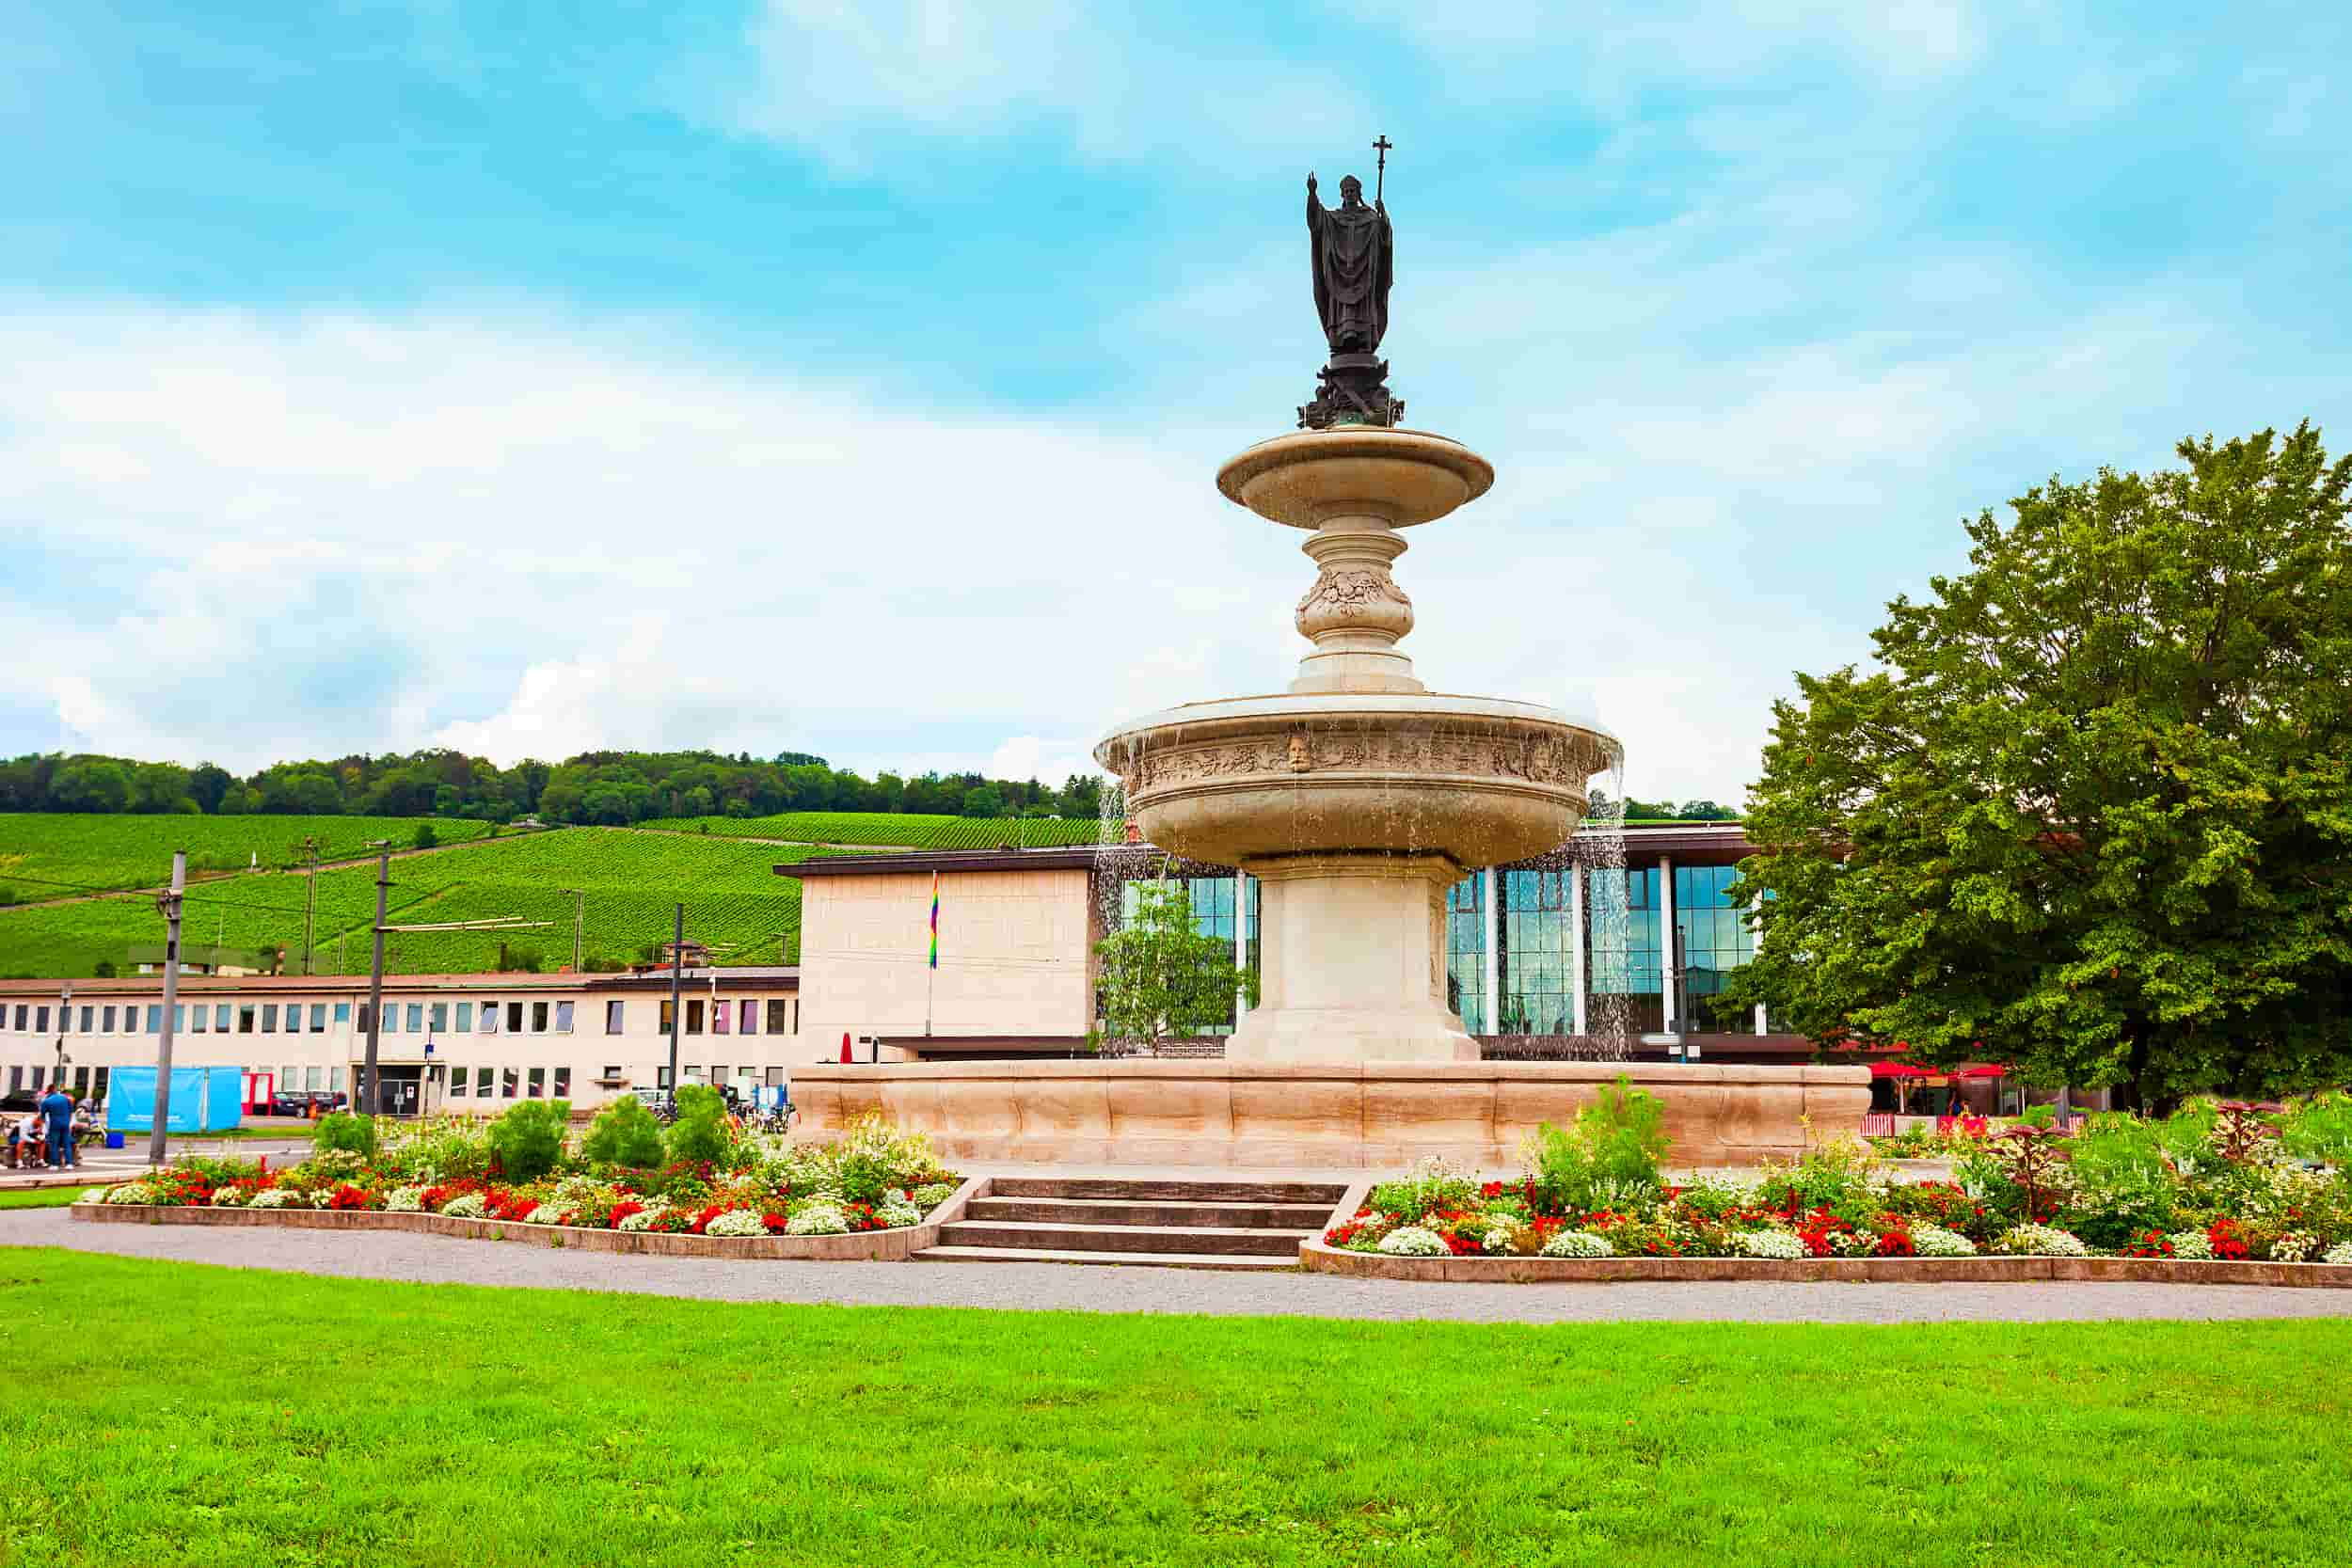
column 930, row 975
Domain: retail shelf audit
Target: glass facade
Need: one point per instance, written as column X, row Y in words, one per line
column 1216, row 913
column 1715, row 940
column 1466, row 953
column 1624, row 966
column 1535, row 961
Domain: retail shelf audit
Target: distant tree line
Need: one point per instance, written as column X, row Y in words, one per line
column 594, row 787
column 1666, row 811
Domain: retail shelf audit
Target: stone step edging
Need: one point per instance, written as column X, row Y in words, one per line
column 1318, row 1258
column 864, row 1246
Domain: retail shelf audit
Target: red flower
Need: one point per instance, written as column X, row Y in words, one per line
column 1896, row 1243
column 349, row 1197
column 622, row 1211
column 777, row 1222
column 2228, row 1241
column 709, row 1214
column 2151, row 1244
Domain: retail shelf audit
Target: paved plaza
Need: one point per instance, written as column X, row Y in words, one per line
column 433, row 1259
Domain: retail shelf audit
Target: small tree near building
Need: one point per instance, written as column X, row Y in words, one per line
column 1164, row 978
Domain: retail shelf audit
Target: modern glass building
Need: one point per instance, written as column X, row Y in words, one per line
column 1572, row 948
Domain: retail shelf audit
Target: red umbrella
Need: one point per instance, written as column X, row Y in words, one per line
column 1896, row 1069
column 845, row 1046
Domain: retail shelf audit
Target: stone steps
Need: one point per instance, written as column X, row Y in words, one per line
column 1239, row 1262
column 1324, row 1193
column 1165, row 1213
column 1168, row 1224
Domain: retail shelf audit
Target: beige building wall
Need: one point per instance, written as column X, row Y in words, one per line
column 1014, row 955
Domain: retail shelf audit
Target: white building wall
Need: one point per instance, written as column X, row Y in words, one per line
column 322, row 1051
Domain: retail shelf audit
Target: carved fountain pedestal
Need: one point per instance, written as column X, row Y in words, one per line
column 1358, row 796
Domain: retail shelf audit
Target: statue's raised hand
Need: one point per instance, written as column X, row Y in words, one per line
column 1311, row 181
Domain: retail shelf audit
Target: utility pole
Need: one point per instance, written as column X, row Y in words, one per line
column 579, row 923
column 677, row 972
column 65, row 1003
column 159, row 1136
column 311, row 899
column 364, row 1100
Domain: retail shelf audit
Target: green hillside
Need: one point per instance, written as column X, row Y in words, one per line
column 43, row 854
column 898, row 829
column 629, row 882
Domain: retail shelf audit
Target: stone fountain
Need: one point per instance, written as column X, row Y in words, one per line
column 1359, row 796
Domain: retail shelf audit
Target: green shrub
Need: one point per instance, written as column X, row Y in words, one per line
column 345, row 1132
column 529, row 1138
column 2320, row 1129
column 445, row 1149
column 624, row 1133
column 701, row 1131
column 1608, row 1159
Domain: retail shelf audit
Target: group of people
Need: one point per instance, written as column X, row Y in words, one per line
column 49, row 1133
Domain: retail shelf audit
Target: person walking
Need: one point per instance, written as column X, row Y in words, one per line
column 56, row 1107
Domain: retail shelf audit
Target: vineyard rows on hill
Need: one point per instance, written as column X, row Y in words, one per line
column 898, row 830
column 54, row 854
column 628, row 884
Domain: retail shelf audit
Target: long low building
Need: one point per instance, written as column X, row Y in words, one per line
column 454, row 1042
column 1608, row 939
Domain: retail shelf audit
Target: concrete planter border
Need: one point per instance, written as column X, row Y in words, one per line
column 867, row 1245
column 1317, row 1258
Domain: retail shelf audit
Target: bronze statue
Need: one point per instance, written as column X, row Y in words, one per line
column 1355, row 260
column 1353, row 249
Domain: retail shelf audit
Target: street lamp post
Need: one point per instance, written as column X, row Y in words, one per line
column 65, row 1005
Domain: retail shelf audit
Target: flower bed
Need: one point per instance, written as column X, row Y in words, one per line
column 2122, row 1198
column 871, row 1181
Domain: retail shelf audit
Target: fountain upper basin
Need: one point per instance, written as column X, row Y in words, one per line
column 1478, row 779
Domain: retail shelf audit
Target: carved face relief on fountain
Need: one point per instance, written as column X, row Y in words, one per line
column 1302, row 756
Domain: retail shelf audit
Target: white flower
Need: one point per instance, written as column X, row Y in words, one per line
column 545, row 1213
column 131, row 1192
column 737, row 1222
column 1579, row 1243
column 96, row 1195
column 2339, row 1252
column 2296, row 1247
column 228, row 1197
column 405, row 1200
column 817, row 1219
column 1412, row 1240
column 2190, row 1243
column 897, row 1216
column 1769, row 1244
column 2043, row 1241
column 467, row 1206
column 1933, row 1241
column 278, row 1198
column 930, row 1194
column 644, row 1218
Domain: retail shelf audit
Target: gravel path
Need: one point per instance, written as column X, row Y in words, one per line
column 435, row 1260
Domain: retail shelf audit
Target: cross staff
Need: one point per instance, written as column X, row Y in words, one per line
column 1380, row 176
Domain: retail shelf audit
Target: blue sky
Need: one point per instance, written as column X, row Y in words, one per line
column 851, row 378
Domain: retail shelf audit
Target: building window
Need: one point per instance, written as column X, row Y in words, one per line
column 489, row 1018
column 669, row 1015
column 661, row 1077
column 483, row 1079
column 465, row 1018
column 538, row 1017
column 1715, row 940
column 538, row 1082
column 457, row 1083
column 334, row 1078
column 315, row 1079
column 1534, row 957
column 718, row 1075
column 155, row 1019
column 40, row 1020
column 221, row 1019
column 776, row 1077
column 563, row 1018
column 720, row 1016
column 290, row 1079
column 1465, row 952
column 204, row 1015
column 388, row 1023
column 513, row 1018
column 318, row 1018
column 1622, row 982
column 269, row 1018
column 87, row 1014
column 179, row 1017
column 748, row 1021
column 108, row 1026
column 416, row 1018
column 611, row 1020
column 16, row 1078
column 440, row 1018
column 563, row 1083
column 693, row 1074
column 342, row 1014
column 612, row 1072
column 98, row 1083
column 694, row 1017
column 23, row 1013
column 508, row 1081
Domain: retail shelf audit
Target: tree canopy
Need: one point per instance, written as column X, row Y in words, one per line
column 2093, row 816
column 1164, row 977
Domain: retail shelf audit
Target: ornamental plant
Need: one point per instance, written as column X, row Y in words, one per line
column 1610, row 1157
column 1413, row 1240
column 701, row 1134
column 624, row 1133
column 1578, row 1243
column 343, row 1133
column 528, row 1139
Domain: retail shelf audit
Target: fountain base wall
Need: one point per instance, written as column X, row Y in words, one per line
column 1318, row 1114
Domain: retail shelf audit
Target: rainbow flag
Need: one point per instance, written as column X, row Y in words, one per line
column 934, row 919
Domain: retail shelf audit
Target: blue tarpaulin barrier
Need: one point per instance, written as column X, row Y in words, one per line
column 203, row 1098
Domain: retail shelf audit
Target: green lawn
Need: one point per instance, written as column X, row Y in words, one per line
column 235, row 1417
column 49, row 1198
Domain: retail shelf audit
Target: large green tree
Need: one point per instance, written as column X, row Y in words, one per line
column 2094, row 813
